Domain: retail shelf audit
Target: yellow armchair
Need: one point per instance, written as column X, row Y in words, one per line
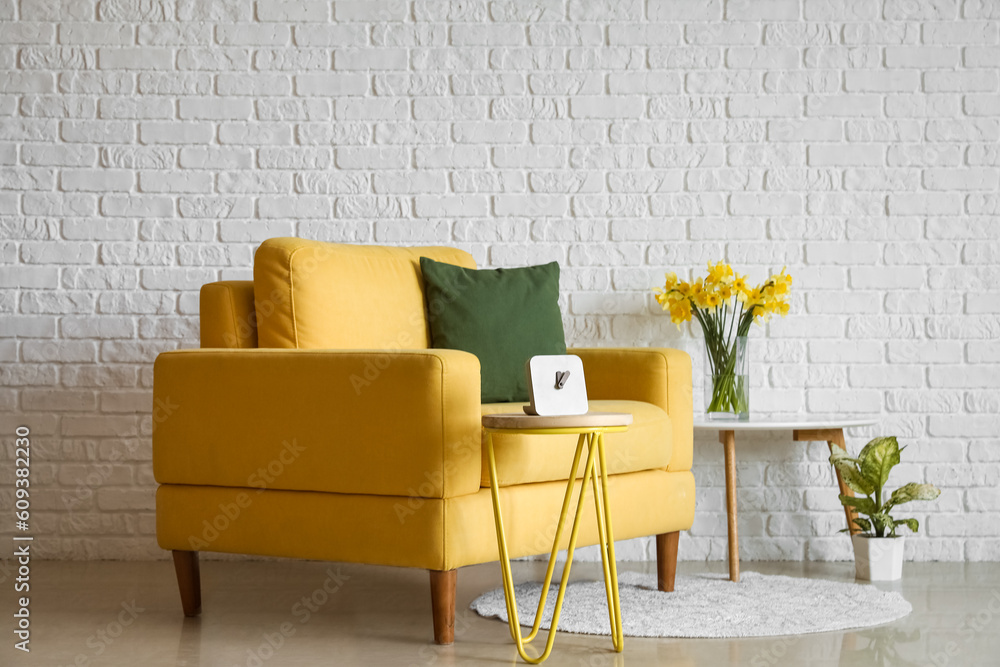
column 322, row 446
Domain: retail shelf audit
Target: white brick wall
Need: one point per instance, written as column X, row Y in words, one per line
column 147, row 147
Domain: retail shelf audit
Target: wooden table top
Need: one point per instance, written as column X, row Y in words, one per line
column 520, row 420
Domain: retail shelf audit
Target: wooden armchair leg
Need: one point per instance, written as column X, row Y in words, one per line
column 188, row 580
column 443, row 584
column 666, row 560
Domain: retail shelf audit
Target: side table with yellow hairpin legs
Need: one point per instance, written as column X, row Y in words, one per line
column 591, row 428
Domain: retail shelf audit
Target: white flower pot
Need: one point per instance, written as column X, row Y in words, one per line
column 878, row 558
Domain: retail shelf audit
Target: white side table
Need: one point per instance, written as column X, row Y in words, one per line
column 803, row 430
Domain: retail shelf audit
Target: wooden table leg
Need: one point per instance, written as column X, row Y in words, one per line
column 728, row 440
column 833, row 436
column 849, row 512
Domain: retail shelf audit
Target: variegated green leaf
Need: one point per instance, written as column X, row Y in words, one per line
column 913, row 491
column 863, row 505
column 866, row 450
column 848, row 469
column 878, row 458
column 863, row 524
column 838, row 454
column 855, row 481
column 851, row 476
column 912, row 524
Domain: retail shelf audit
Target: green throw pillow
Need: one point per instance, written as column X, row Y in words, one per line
column 503, row 316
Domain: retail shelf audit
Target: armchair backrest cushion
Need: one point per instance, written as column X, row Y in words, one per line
column 315, row 295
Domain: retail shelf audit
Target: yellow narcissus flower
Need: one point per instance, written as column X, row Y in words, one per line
column 782, row 282
column 680, row 312
column 724, row 291
column 699, row 295
column 718, row 274
column 740, row 287
column 670, row 292
column 710, row 299
column 756, row 302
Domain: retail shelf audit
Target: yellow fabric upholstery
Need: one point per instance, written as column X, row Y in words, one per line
column 401, row 423
column 326, row 295
column 524, row 459
column 656, row 375
column 228, row 317
column 437, row 534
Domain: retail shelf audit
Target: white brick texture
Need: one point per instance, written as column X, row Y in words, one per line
column 148, row 147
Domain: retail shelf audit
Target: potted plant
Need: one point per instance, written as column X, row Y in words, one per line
column 878, row 550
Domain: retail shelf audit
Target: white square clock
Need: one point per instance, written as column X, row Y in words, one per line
column 556, row 385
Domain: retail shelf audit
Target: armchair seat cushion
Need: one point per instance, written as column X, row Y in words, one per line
column 524, row 459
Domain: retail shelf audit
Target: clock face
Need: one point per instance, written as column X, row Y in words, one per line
column 556, row 385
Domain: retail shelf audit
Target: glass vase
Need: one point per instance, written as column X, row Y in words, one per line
column 727, row 379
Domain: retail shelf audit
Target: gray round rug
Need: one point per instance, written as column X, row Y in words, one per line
column 761, row 605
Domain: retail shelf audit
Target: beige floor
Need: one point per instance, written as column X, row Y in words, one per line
column 112, row 613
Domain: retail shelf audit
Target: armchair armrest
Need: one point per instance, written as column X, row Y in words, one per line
column 657, row 375
column 382, row 422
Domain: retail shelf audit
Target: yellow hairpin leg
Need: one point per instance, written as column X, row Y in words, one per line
column 606, row 539
column 501, row 539
column 595, row 465
column 567, row 499
column 602, row 544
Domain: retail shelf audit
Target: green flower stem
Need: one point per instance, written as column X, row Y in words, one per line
column 729, row 390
